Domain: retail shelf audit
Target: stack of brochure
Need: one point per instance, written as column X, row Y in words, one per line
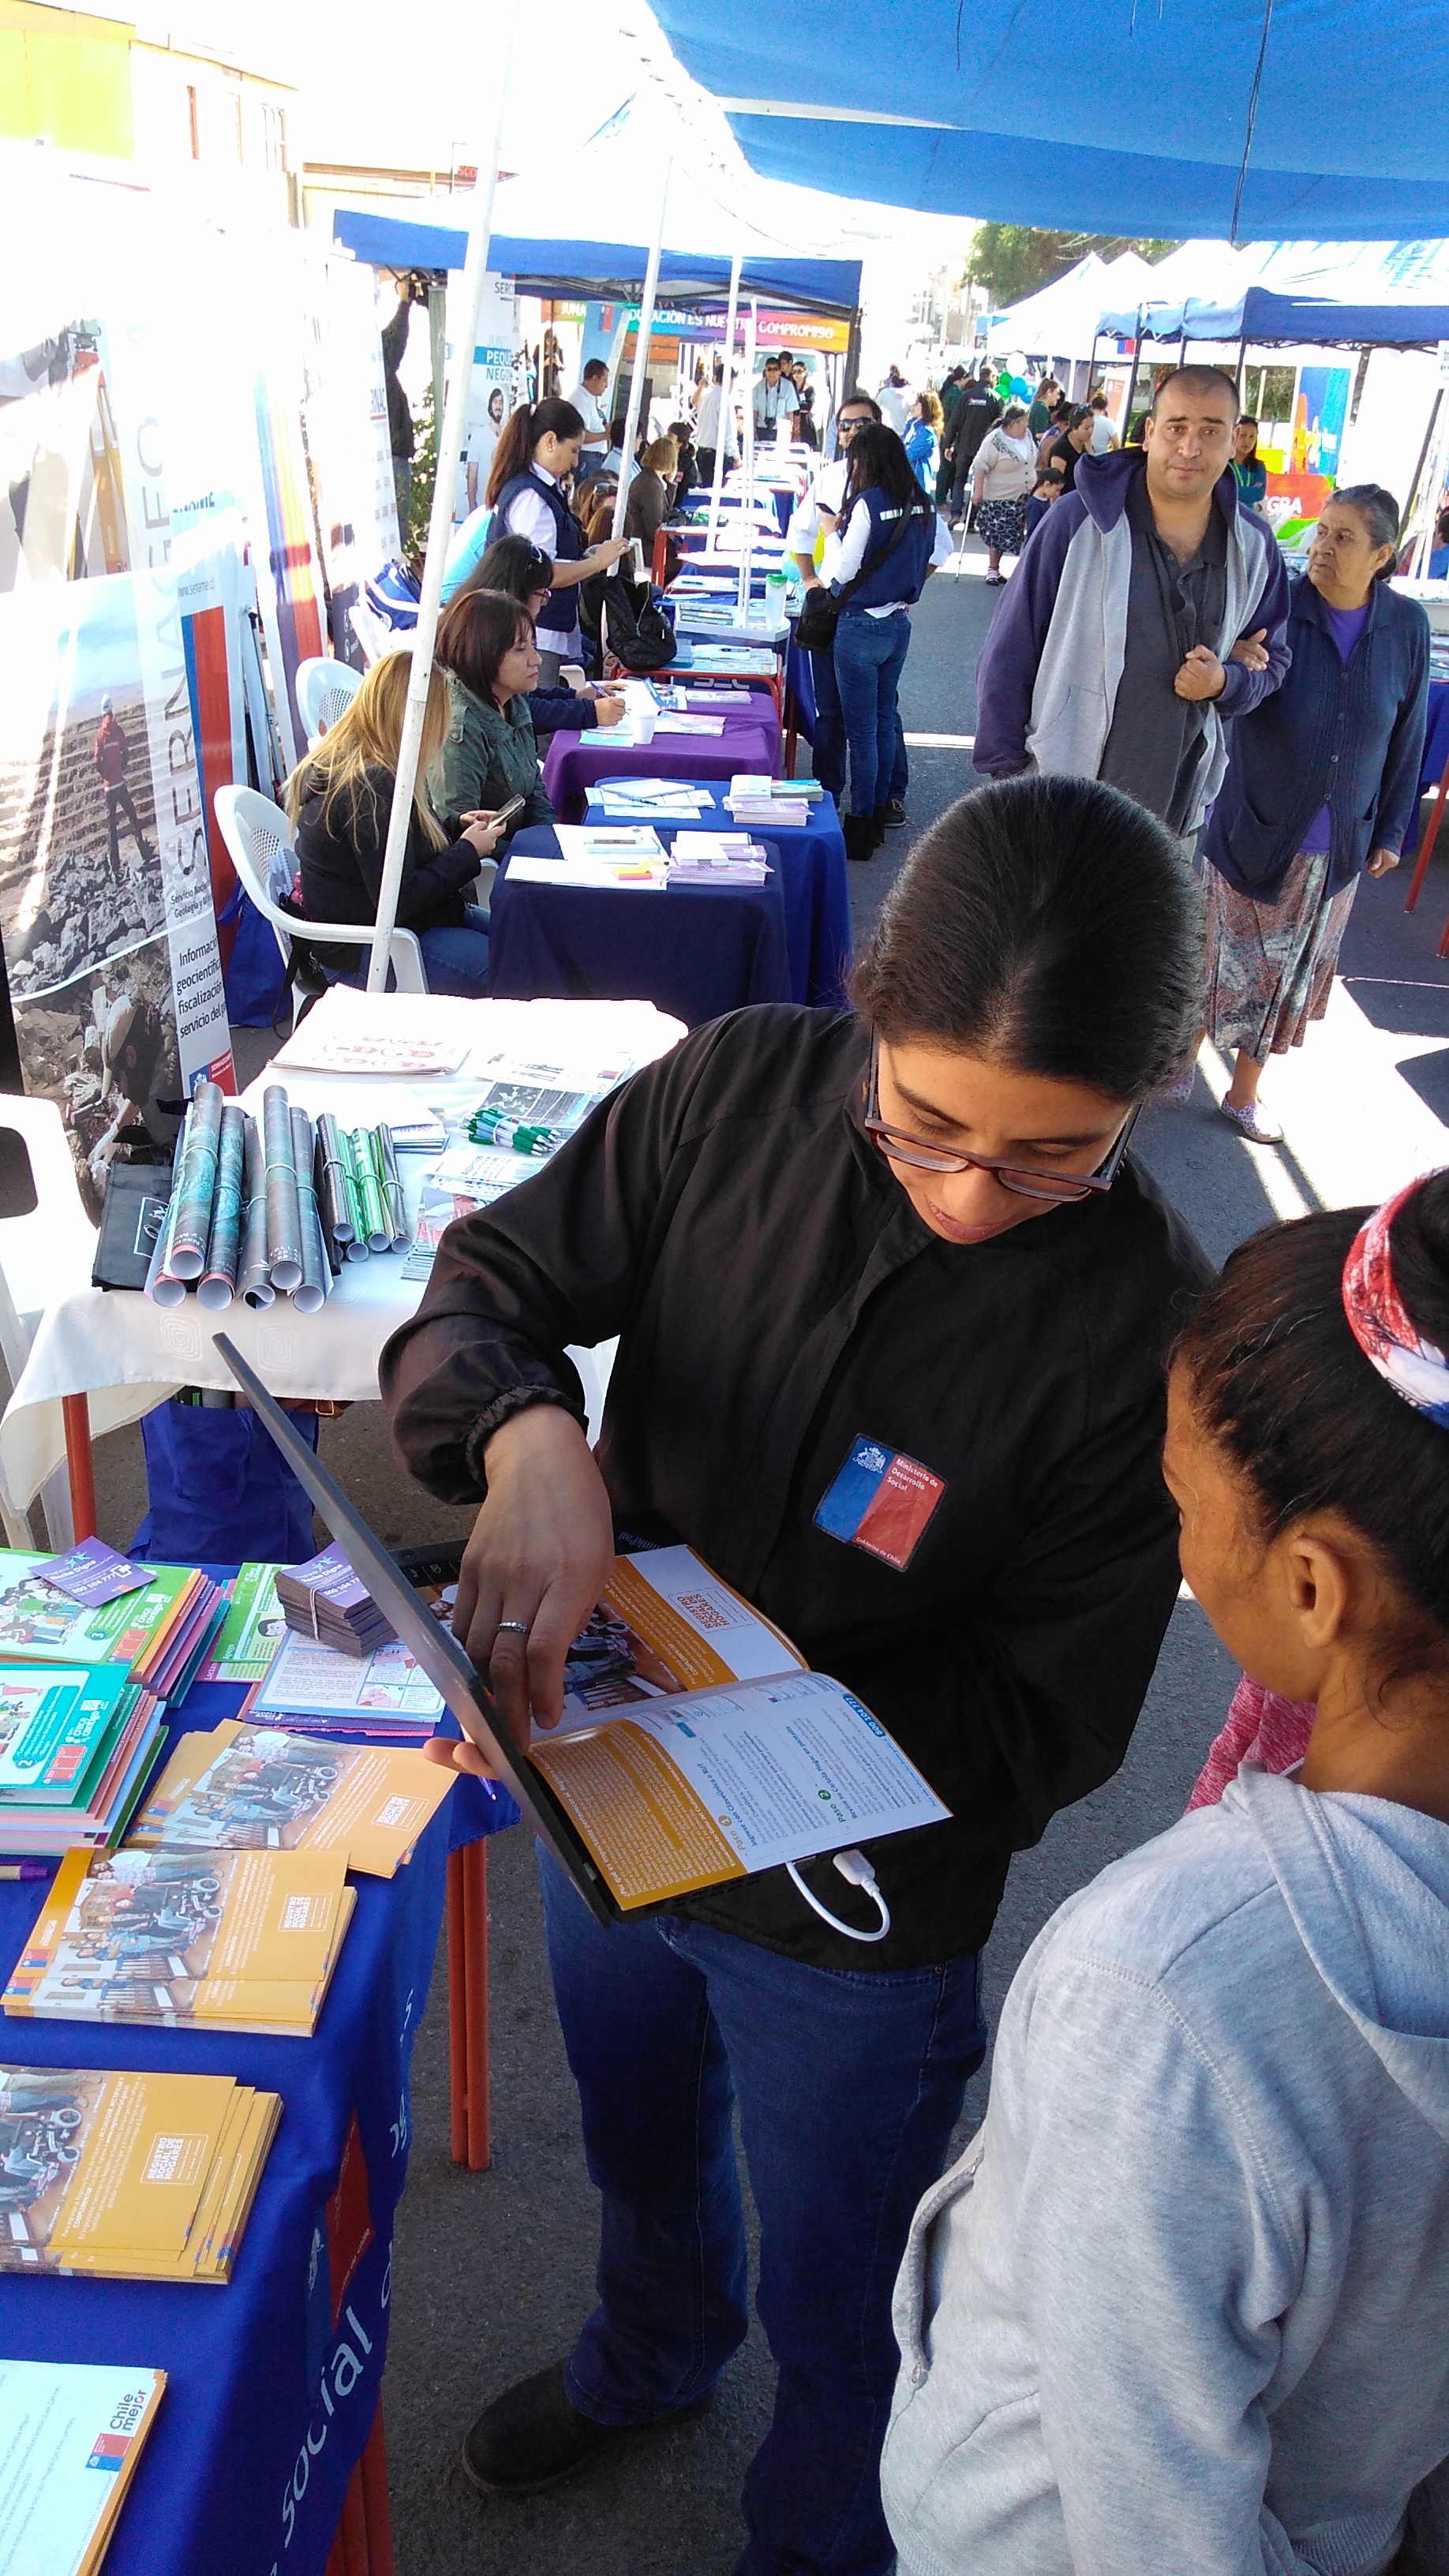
column 384, row 1694
column 258, row 1788
column 223, row 1940
column 75, row 1748
column 74, row 2431
column 595, row 856
column 326, row 1601
column 717, row 858
column 137, row 2177
column 251, row 1631
column 92, row 1607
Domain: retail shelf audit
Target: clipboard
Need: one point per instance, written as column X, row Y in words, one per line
column 438, row 1652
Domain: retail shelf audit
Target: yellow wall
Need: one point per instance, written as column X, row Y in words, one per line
column 67, row 76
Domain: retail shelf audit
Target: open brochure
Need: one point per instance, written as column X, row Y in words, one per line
column 697, row 1747
column 74, row 2431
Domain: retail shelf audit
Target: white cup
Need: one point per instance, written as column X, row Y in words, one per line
column 643, row 720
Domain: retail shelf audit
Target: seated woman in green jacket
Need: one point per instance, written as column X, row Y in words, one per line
column 485, row 644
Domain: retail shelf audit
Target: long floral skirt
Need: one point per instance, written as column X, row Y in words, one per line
column 1270, row 966
column 1001, row 525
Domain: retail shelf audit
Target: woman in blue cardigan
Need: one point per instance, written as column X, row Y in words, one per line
column 1322, row 784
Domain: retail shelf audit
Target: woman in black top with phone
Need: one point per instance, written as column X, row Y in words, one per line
column 900, row 1252
column 340, row 802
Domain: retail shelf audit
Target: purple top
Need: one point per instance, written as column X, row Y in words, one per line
column 1347, row 624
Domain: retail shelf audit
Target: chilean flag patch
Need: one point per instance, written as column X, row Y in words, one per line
column 881, row 1501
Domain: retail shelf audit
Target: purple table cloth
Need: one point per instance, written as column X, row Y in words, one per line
column 576, row 762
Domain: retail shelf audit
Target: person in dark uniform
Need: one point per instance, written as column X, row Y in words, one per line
column 904, row 1251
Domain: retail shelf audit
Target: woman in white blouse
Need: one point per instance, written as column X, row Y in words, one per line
column 1001, row 481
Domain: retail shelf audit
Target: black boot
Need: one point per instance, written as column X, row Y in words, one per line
column 533, row 2436
column 860, row 840
column 879, row 823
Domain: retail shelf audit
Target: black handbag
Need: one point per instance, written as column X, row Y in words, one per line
column 819, row 617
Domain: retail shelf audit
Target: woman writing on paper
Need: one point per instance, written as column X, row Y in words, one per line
column 516, row 566
column 340, row 803
column 536, row 454
column 892, row 1300
column 486, row 647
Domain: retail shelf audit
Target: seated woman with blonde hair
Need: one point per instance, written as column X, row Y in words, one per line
column 340, row 803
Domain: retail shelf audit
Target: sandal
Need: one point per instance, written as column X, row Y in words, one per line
column 1252, row 1122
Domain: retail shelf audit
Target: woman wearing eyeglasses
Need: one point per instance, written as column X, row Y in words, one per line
column 892, row 1299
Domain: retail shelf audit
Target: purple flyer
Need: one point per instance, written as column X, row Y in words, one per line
column 93, row 1573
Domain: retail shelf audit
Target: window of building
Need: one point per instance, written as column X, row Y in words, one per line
column 274, row 136
column 194, row 121
column 236, row 108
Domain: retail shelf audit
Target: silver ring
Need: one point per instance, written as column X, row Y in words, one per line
column 522, row 1626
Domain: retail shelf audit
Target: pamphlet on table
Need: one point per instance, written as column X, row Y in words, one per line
column 73, row 2433
column 251, row 1630
column 386, row 1694
column 260, row 1788
column 137, row 2177
column 75, row 1750
column 697, row 1747
column 220, row 1939
column 152, row 1634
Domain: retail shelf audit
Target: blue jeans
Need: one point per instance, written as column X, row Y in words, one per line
column 870, row 654
column 828, row 746
column 848, row 2084
column 454, row 961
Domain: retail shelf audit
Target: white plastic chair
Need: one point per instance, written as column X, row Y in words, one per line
column 324, row 688
column 44, row 1256
column 259, row 837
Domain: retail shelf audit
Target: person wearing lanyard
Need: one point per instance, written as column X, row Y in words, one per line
column 905, row 1242
column 538, row 450
column 816, row 517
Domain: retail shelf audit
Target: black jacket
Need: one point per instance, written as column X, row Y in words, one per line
column 1348, row 735
column 341, row 865
column 776, row 1298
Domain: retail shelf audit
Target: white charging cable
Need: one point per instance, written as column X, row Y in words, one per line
column 856, row 1870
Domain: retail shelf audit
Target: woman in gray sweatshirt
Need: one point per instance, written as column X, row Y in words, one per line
column 1181, row 2308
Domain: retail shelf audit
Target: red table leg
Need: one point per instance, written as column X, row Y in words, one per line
column 457, row 2011
column 76, row 1412
column 791, row 738
column 352, row 2529
column 1426, row 846
column 375, row 2502
column 474, row 1857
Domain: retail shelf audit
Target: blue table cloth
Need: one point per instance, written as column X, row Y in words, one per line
column 815, row 883
column 273, row 2381
column 694, row 950
column 800, row 689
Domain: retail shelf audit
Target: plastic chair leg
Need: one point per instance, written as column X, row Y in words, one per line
column 81, row 1464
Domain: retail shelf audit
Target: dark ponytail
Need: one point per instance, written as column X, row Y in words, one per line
column 532, row 421
column 1278, row 1381
column 1050, row 924
column 1380, row 513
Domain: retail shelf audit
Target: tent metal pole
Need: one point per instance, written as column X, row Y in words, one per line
column 1422, row 542
column 641, row 354
column 747, row 418
column 1242, row 360
column 1132, row 379
column 440, row 523
column 726, row 403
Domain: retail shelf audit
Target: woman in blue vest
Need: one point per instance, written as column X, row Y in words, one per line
column 1322, row 788
column 535, row 456
column 890, row 543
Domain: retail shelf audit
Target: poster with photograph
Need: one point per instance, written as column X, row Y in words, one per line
column 497, row 384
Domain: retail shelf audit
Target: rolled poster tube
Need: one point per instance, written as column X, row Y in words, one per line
column 217, row 1285
column 196, row 1183
column 252, row 1281
column 392, row 1188
column 364, row 1153
column 163, row 1287
column 284, row 1206
column 356, row 1208
column 332, row 1181
column 316, row 1274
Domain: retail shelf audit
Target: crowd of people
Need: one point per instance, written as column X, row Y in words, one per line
column 1180, row 2305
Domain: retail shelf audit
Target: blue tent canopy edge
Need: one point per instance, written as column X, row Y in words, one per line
column 543, row 266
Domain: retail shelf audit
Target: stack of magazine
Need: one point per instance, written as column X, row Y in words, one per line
column 74, row 2431
column 258, row 1788
column 134, row 2177
column 157, row 1631
column 326, row 1601
column 216, row 1939
column 76, row 1745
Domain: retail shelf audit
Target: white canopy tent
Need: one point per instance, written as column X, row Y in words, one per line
column 1060, row 320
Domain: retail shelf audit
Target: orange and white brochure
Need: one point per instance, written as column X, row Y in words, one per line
column 705, row 1750
column 262, row 1788
column 73, row 2433
column 238, row 1940
column 138, row 2176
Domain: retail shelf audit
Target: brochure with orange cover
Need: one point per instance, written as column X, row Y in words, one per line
column 260, row 1788
column 697, row 1747
column 131, row 2175
column 237, row 1940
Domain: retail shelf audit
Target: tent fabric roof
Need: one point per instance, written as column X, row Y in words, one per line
column 1389, row 292
column 945, row 110
column 543, row 266
column 1060, row 320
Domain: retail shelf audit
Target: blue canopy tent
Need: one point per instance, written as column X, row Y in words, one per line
column 545, row 267
column 1391, row 294
column 1235, row 121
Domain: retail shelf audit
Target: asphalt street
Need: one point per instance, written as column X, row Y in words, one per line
column 493, row 2273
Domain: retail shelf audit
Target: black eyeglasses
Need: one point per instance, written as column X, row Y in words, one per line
column 1060, row 1189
